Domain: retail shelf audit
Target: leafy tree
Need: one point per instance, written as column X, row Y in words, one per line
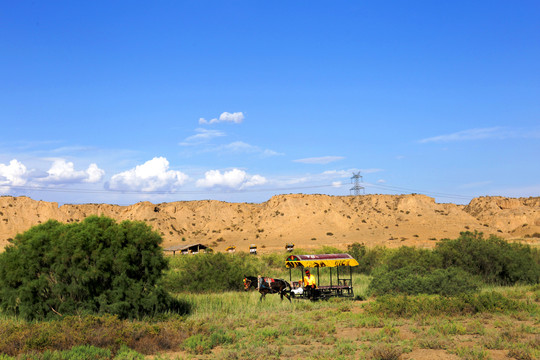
column 96, row 266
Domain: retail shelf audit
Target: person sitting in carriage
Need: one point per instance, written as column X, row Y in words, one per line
column 309, row 283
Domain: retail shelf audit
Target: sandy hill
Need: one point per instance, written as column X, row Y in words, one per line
column 308, row 221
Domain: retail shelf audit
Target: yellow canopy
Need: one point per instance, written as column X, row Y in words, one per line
column 323, row 260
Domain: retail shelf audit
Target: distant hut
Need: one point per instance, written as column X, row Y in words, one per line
column 187, row 249
column 253, row 249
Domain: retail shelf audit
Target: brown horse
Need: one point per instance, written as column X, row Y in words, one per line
column 268, row 286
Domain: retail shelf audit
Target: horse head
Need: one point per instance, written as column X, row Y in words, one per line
column 247, row 283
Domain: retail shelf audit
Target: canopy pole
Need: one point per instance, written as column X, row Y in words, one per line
column 318, row 279
column 330, row 277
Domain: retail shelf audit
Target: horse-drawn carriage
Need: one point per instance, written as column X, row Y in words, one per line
column 342, row 287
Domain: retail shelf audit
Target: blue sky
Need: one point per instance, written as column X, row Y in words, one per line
column 121, row 102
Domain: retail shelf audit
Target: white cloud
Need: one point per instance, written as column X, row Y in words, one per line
column 153, row 175
column 319, row 160
column 381, row 181
column 242, row 147
column 203, row 135
column 14, row 174
column 236, row 118
column 268, row 153
column 496, row 132
column 349, row 173
column 94, row 174
column 337, row 183
column 62, row 172
column 239, row 146
column 233, row 179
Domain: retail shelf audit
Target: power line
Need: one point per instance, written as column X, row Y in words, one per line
column 140, row 192
column 356, row 188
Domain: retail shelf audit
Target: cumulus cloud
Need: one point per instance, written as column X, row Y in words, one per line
column 234, row 179
column 319, row 160
column 203, row 135
column 14, row 174
column 236, row 117
column 94, row 174
column 153, row 175
column 63, row 171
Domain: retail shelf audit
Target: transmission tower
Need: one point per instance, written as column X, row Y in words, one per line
column 356, row 179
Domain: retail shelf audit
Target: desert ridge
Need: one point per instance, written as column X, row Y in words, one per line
column 308, row 221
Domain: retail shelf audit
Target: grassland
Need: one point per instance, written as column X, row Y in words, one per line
column 235, row 325
column 496, row 322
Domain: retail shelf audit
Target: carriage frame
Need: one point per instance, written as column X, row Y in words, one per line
column 342, row 288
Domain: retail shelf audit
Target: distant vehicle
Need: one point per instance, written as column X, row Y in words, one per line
column 231, row 249
column 289, row 247
column 253, row 249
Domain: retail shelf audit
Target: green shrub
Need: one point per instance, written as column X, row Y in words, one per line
column 96, row 266
column 413, row 280
column 211, row 272
column 494, row 259
column 368, row 258
column 436, row 305
column 198, row 344
column 406, row 256
column 125, row 353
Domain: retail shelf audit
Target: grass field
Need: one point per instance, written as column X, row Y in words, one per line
column 495, row 323
column 235, row 325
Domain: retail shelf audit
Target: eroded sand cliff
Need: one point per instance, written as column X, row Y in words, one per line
column 309, row 221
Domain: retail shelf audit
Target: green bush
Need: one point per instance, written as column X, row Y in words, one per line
column 413, row 280
column 211, row 272
column 125, row 353
column 494, row 259
column 368, row 258
column 96, row 266
column 436, row 305
column 406, row 256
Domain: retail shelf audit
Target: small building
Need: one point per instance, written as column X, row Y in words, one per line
column 253, row 249
column 187, row 249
